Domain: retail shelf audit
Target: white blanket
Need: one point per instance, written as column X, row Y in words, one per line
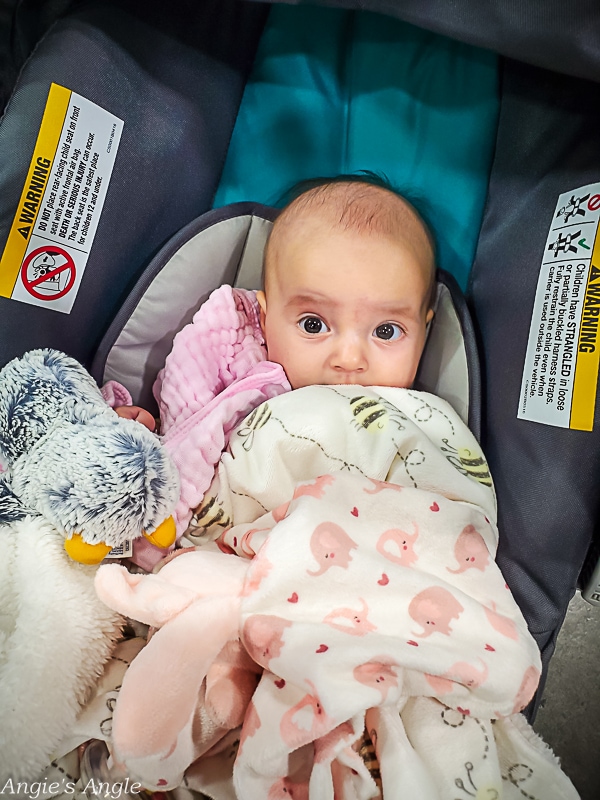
column 372, row 600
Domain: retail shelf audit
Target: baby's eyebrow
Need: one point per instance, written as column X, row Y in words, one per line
column 397, row 310
column 393, row 308
column 310, row 298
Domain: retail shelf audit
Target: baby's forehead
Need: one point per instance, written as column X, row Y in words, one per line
column 353, row 206
column 354, row 209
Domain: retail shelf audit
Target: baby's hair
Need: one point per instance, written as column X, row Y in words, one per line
column 418, row 202
column 348, row 202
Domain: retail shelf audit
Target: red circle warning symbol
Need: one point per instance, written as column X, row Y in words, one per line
column 594, row 202
column 48, row 273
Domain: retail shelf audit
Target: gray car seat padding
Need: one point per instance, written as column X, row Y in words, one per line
column 176, row 79
column 22, row 25
column 547, row 144
column 208, row 252
column 226, row 246
column 554, row 34
column 546, row 477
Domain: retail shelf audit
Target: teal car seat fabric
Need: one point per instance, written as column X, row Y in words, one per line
column 333, row 92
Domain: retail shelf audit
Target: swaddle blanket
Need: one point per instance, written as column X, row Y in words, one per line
column 372, row 599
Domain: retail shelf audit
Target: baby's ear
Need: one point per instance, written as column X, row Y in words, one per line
column 262, row 303
column 429, row 317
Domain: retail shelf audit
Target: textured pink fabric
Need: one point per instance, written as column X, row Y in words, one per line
column 215, row 375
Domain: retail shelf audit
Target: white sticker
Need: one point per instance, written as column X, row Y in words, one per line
column 53, row 230
column 123, row 550
column 561, row 366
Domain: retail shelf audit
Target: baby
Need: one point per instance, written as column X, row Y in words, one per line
column 348, row 287
column 349, row 284
column 364, row 590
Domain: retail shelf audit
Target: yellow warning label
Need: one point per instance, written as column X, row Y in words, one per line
column 35, row 184
column 562, row 363
column 588, row 350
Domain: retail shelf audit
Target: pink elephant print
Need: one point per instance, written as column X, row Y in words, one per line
column 304, row 722
column 433, row 609
column 257, row 572
column 350, row 621
column 331, row 546
column 223, row 546
column 246, row 546
column 503, row 625
column 377, row 674
column 314, row 489
column 251, row 724
column 529, row 684
column 285, row 789
column 379, row 486
column 263, row 637
column 470, row 551
column 328, row 746
column 462, row 673
column 281, row 511
column 401, row 550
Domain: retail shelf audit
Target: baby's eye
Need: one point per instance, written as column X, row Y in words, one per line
column 313, row 325
column 389, row 331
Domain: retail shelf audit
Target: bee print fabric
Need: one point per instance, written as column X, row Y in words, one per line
column 366, row 518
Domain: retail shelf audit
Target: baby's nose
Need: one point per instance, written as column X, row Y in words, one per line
column 350, row 355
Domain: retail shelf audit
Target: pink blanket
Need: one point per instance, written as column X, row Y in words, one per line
column 215, row 375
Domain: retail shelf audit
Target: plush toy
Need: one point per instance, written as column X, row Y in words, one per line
column 65, row 455
column 156, row 735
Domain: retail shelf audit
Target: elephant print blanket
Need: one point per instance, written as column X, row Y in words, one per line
column 347, row 541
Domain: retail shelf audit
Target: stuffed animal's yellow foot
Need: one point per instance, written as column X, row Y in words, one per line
column 164, row 535
column 85, row 553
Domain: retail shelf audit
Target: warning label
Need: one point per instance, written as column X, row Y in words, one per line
column 563, row 351
column 48, row 273
column 60, row 206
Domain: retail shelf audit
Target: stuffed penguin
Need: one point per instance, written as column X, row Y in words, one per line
column 65, row 455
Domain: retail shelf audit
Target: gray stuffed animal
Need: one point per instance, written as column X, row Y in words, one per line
column 65, row 455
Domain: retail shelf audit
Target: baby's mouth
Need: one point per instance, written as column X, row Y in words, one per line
column 347, row 380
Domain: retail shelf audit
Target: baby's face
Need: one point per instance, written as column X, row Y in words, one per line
column 347, row 308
